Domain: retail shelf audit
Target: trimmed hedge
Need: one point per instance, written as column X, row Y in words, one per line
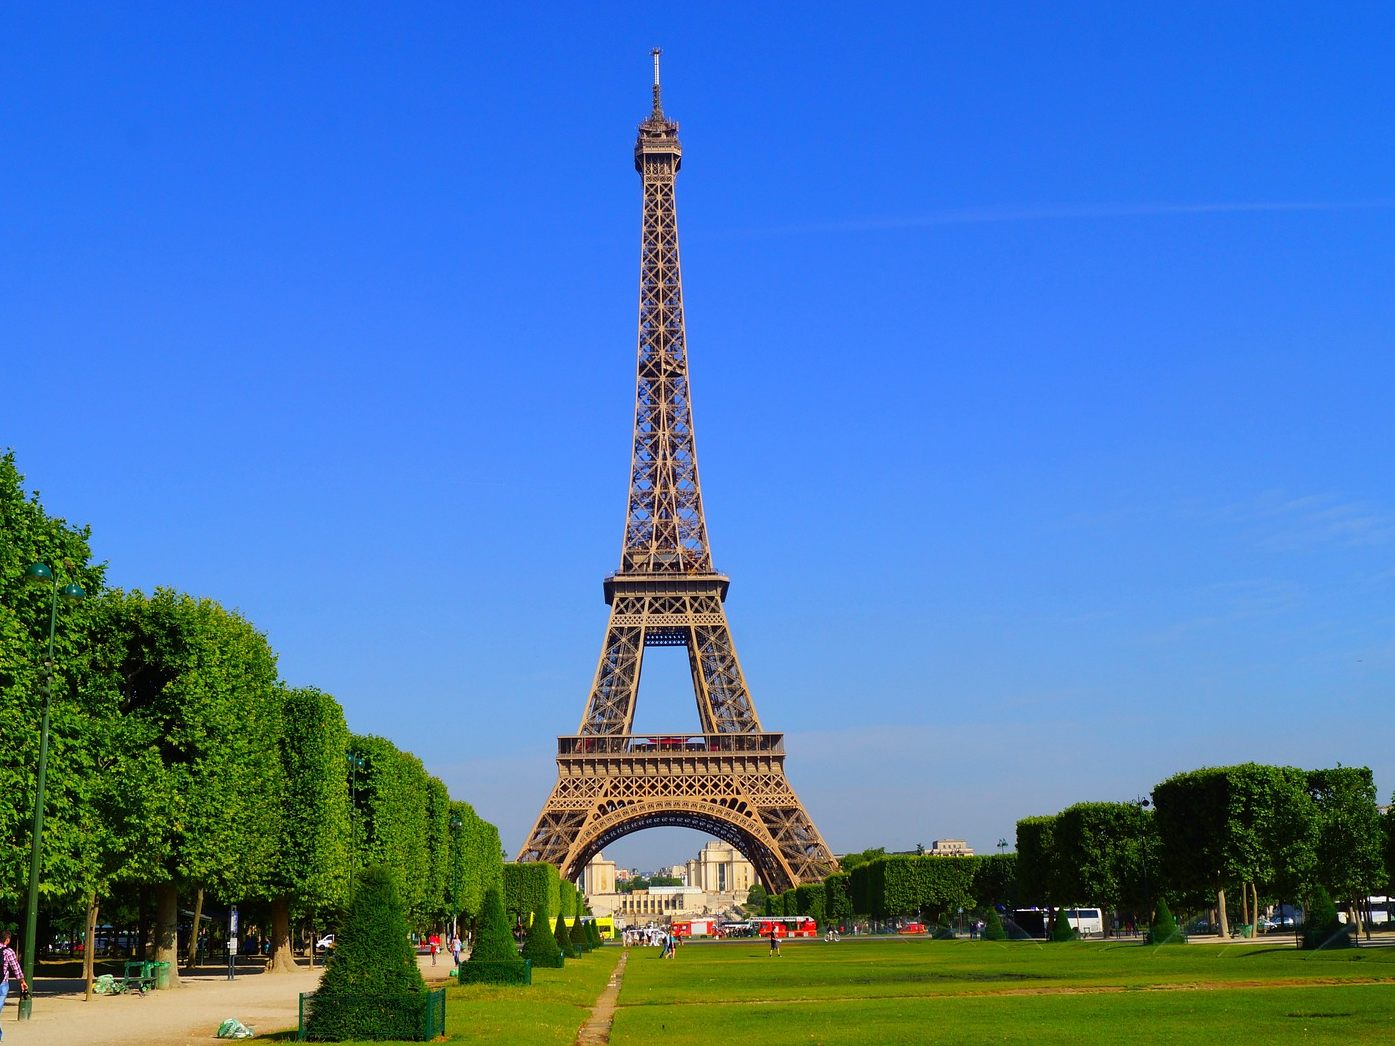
column 516, row 971
column 1321, row 927
column 993, row 927
column 1164, row 929
column 531, row 885
column 373, row 990
column 541, row 947
column 1061, row 929
column 578, row 935
column 562, row 935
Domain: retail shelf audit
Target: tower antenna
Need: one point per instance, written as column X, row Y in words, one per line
column 658, row 109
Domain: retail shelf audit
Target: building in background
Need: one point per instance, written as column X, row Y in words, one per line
column 950, row 848
column 716, row 881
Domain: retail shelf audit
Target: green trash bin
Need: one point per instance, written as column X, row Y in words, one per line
column 162, row 974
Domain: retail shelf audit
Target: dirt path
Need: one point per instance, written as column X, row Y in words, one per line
column 179, row 1016
column 596, row 1030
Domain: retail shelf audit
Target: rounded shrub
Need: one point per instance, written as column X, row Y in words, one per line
column 541, row 946
column 993, row 927
column 373, row 989
column 1164, row 929
column 1061, row 929
column 1321, row 927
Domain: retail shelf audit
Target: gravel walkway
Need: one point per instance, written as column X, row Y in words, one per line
column 188, row 1014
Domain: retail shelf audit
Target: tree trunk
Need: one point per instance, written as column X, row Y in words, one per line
column 1244, row 903
column 1220, row 913
column 282, row 957
column 192, row 959
column 1254, row 889
column 89, row 945
column 167, row 929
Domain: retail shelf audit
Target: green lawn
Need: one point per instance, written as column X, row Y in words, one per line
column 978, row 991
column 549, row 1011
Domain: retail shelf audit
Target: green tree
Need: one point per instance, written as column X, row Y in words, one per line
column 993, row 927
column 1164, row 927
column 310, row 869
column 493, row 942
column 81, row 856
column 195, row 713
column 1103, row 850
column 361, row 995
column 1350, row 861
column 755, row 897
column 540, row 945
column 580, row 941
column 1037, row 861
column 530, row 885
column 436, row 836
column 838, row 907
column 1321, row 927
column 390, row 818
column 995, row 880
column 1224, row 827
column 1061, row 929
column 562, row 935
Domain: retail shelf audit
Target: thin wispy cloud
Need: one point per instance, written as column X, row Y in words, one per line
column 1292, row 523
column 1091, row 211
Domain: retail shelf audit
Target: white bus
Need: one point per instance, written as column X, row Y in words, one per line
column 1376, row 909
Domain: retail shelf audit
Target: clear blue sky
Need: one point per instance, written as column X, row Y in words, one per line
column 1041, row 360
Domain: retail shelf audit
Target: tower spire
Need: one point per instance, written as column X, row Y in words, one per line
column 658, row 107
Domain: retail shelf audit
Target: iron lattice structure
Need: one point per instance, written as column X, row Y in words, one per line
column 729, row 780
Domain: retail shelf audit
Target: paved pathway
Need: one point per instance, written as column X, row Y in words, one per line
column 596, row 1030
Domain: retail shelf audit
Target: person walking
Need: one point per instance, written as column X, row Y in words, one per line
column 774, row 941
column 455, row 950
column 9, row 967
column 435, row 947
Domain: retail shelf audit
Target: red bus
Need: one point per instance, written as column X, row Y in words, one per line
column 786, row 925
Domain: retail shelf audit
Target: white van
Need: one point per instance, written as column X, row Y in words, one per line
column 1087, row 921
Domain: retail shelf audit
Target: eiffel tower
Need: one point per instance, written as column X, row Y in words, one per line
column 729, row 780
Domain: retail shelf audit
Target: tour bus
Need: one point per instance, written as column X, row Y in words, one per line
column 605, row 925
column 1085, row 921
column 1375, row 910
column 786, row 925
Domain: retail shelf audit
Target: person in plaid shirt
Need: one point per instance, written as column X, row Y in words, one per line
column 9, row 967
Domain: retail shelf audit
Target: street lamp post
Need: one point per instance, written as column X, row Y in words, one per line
column 1142, row 803
column 1002, row 846
column 40, row 574
column 356, row 763
column 455, row 826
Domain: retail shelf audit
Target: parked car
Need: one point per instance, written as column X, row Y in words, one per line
column 325, row 943
column 912, row 928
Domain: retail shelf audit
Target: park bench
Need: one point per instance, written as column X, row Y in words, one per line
column 140, row 975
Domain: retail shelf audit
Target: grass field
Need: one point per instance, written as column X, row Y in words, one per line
column 918, row 991
column 977, row 991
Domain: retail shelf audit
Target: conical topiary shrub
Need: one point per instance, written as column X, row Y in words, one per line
column 541, row 946
column 593, row 933
column 1164, row 929
column 562, row 935
column 1321, row 927
column 578, row 935
column 373, row 989
column 494, row 959
column 993, row 927
column 1061, row 929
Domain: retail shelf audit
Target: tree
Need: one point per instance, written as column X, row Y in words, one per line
column 540, row 945
column 993, row 927
column 81, row 855
column 1102, row 852
column 373, row 988
column 995, row 880
column 494, row 959
column 1224, row 827
column 1164, row 927
column 838, row 908
column 195, row 715
column 530, row 885
column 562, row 935
column 1061, row 929
column 579, row 939
column 390, row 819
column 1037, row 860
column 1321, row 927
column 755, row 897
column 310, row 871
column 1350, row 861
